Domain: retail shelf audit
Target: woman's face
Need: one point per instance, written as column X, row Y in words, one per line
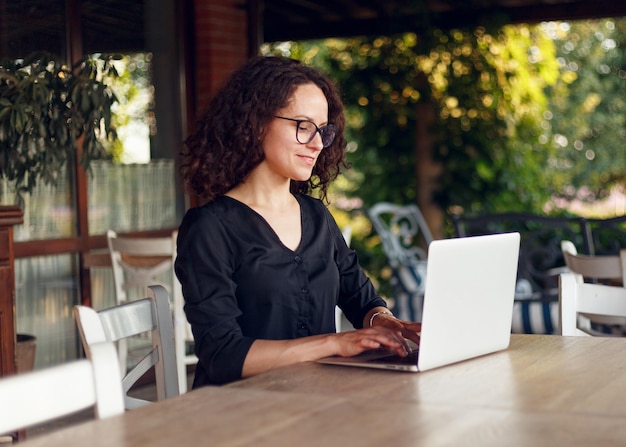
column 284, row 155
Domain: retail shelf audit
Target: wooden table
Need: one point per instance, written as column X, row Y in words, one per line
column 542, row 391
column 536, row 373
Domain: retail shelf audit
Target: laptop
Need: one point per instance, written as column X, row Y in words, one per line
column 468, row 305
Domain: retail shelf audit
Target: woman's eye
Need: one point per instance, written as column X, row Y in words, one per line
column 306, row 127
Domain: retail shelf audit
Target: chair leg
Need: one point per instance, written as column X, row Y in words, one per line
column 122, row 352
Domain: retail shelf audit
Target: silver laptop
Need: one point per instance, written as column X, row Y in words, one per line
column 468, row 305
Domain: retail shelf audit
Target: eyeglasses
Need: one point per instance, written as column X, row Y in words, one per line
column 306, row 130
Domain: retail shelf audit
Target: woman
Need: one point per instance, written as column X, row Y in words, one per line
column 263, row 264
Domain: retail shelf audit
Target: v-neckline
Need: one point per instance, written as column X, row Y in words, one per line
column 269, row 227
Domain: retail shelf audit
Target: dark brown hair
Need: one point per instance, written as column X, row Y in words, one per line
column 226, row 145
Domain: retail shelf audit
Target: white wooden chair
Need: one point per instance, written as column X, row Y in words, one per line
column 603, row 269
column 139, row 262
column 405, row 237
column 578, row 301
column 151, row 314
column 40, row 396
column 594, row 268
column 341, row 322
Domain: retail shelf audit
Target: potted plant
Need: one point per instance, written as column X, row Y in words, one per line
column 49, row 113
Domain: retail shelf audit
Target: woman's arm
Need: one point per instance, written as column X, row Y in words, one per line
column 265, row 355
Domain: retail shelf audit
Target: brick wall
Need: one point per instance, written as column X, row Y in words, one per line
column 221, row 45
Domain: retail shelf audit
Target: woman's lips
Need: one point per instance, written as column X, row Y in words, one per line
column 307, row 159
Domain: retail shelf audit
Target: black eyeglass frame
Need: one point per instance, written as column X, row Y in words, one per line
column 321, row 130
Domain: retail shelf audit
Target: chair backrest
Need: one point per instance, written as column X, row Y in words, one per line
column 607, row 236
column 140, row 262
column 594, row 268
column 340, row 320
column 403, row 231
column 40, row 396
column 151, row 314
column 346, row 232
column 405, row 238
column 579, row 300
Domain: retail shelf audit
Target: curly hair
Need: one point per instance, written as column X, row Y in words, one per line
column 227, row 143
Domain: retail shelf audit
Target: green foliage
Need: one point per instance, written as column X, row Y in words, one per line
column 45, row 110
column 381, row 87
column 133, row 91
column 588, row 109
column 487, row 92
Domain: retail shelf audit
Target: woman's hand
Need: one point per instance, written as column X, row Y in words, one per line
column 351, row 343
column 408, row 329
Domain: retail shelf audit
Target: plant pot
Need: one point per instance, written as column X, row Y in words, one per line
column 25, row 352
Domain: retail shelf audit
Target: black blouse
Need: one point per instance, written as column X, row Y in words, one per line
column 241, row 283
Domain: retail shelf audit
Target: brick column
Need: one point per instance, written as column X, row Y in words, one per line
column 221, row 45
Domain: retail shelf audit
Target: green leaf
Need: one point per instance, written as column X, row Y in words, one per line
column 85, row 103
column 5, row 112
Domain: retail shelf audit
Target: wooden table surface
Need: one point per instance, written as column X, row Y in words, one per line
column 586, row 375
column 542, row 391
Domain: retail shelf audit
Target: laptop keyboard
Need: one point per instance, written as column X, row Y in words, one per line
column 410, row 359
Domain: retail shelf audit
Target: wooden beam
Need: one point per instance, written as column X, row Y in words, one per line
column 9, row 216
column 295, row 26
